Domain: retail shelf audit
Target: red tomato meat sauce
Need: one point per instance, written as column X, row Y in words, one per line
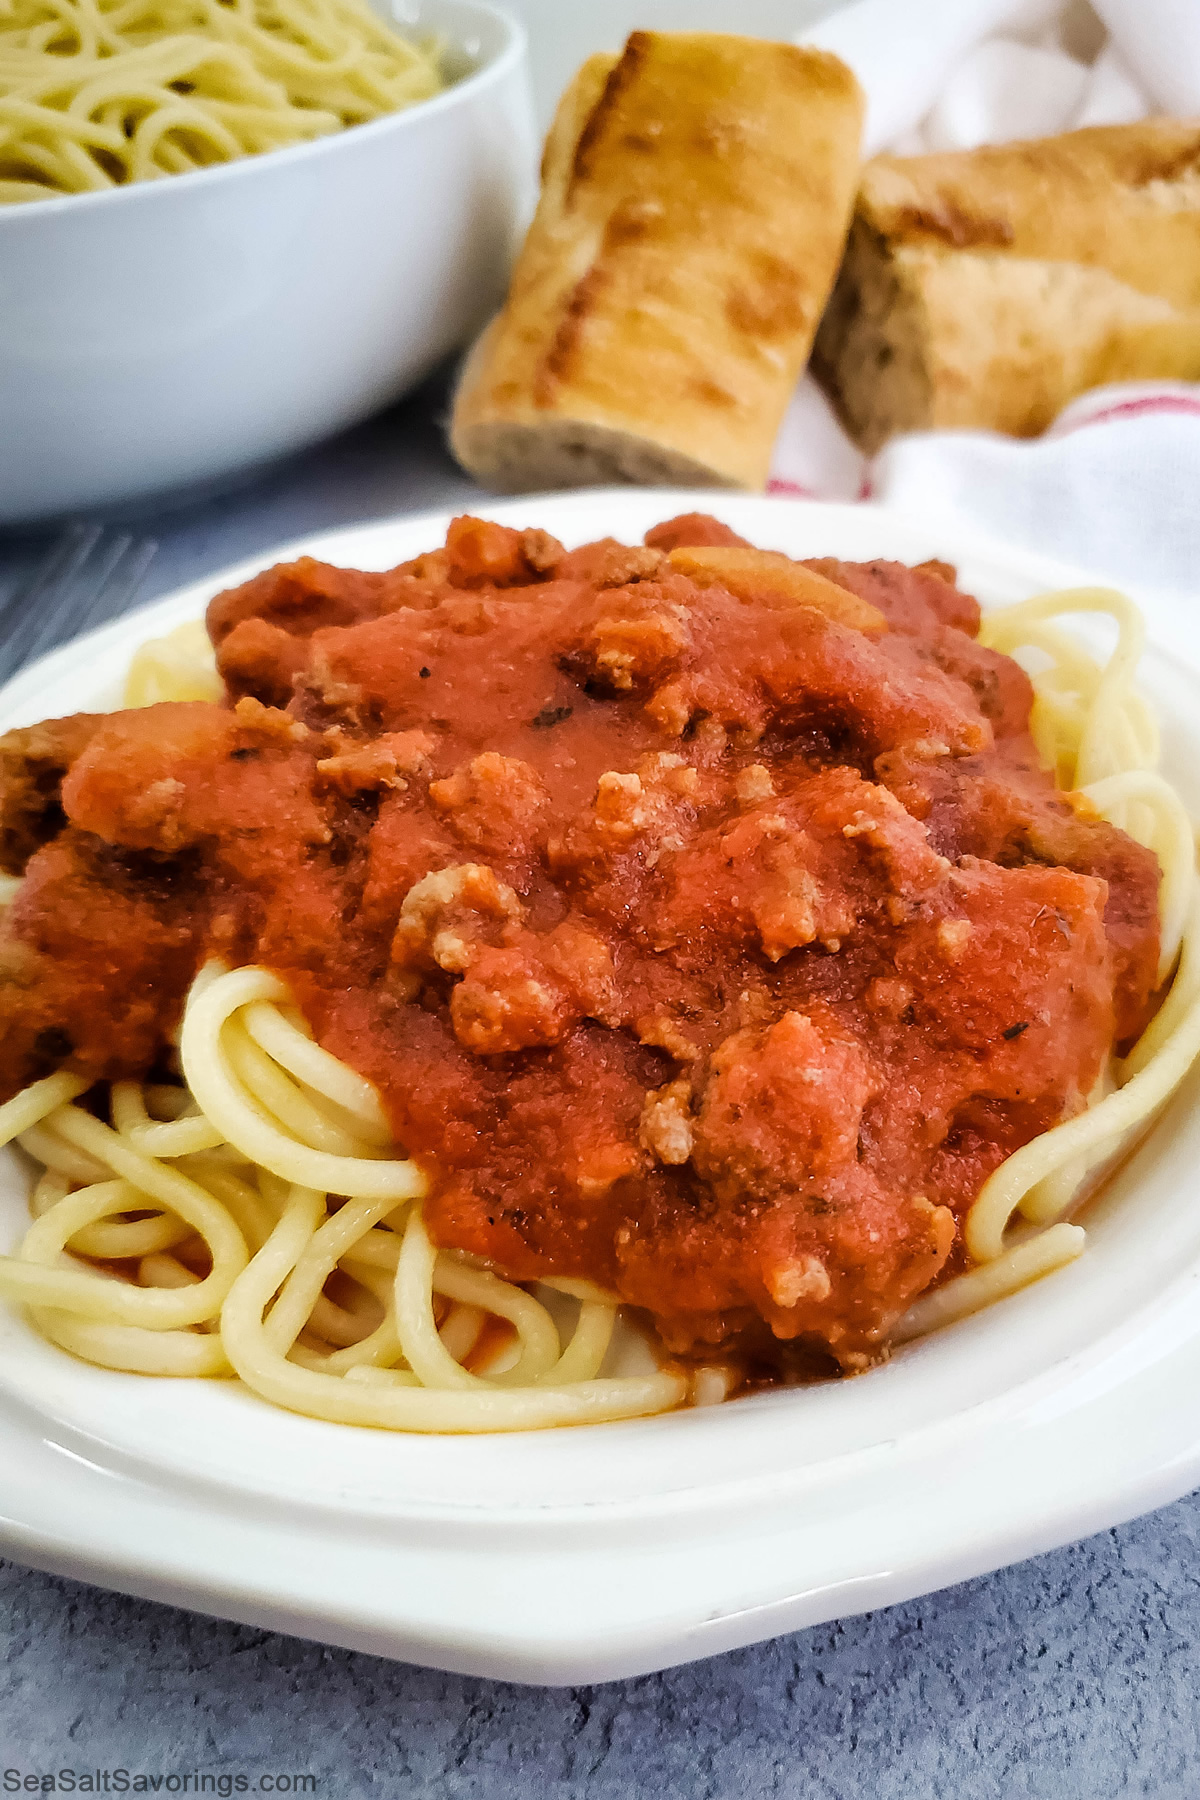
column 703, row 917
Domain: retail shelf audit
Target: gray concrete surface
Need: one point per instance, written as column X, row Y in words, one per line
column 1071, row 1678
column 1075, row 1677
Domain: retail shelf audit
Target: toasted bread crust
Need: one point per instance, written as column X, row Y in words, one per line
column 987, row 288
column 696, row 192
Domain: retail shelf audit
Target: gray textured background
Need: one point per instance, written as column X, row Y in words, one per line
column 1070, row 1678
column 1075, row 1677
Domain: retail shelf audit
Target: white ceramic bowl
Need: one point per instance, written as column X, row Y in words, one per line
column 167, row 333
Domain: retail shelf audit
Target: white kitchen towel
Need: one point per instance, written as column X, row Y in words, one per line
column 1114, row 485
column 952, row 74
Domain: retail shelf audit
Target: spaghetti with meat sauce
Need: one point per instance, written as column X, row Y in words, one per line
column 705, row 921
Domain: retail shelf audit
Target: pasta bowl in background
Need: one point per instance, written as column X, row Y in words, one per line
column 175, row 331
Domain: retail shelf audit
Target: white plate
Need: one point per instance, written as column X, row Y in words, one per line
column 587, row 1554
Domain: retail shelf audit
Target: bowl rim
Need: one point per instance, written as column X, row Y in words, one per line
column 512, row 54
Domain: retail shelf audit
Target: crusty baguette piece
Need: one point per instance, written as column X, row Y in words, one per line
column 696, row 193
column 986, row 288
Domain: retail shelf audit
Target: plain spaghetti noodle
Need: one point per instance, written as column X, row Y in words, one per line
column 245, row 1163
column 279, row 1238
column 94, row 95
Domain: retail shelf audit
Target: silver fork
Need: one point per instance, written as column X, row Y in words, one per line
column 91, row 574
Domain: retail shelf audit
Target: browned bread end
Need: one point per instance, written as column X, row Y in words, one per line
column 696, row 193
column 987, row 288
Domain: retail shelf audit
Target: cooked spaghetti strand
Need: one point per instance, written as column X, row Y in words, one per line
column 95, row 94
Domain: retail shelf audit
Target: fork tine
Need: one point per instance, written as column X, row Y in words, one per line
column 71, row 602
column 118, row 590
column 70, row 548
column 89, row 576
column 126, row 578
column 32, row 608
